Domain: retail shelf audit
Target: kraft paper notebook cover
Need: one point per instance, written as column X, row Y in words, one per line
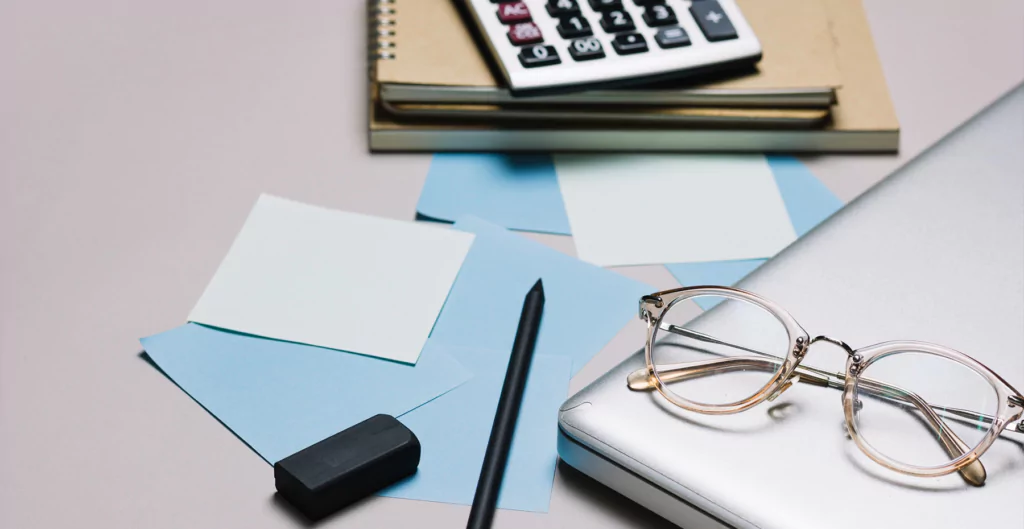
column 863, row 120
column 429, row 56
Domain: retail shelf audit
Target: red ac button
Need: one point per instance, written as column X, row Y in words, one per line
column 512, row 12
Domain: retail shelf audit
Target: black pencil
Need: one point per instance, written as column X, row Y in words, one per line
column 486, row 498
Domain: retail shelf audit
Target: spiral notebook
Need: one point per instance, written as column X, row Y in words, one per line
column 861, row 120
column 427, row 55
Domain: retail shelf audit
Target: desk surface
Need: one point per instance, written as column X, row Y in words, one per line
column 134, row 138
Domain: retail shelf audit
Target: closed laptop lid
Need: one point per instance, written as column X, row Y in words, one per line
column 934, row 253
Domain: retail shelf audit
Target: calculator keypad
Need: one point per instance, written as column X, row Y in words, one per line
column 646, row 37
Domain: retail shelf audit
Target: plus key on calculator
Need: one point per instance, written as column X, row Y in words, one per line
column 559, row 45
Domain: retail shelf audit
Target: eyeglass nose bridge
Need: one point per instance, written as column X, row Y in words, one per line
column 822, row 338
column 801, row 351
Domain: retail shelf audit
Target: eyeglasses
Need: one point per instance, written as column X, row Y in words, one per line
column 914, row 407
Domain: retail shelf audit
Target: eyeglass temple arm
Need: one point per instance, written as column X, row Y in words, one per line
column 641, row 380
column 973, row 473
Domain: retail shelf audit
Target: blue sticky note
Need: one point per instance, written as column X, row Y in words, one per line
column 454, row 429
column 808, row 203
column 280, row 397
column 585, row 305
column 517, row 191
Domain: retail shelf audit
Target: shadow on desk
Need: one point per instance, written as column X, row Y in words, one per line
column 293, row 514
column 580, row 502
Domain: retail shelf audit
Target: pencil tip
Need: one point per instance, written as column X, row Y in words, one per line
column 538, row 286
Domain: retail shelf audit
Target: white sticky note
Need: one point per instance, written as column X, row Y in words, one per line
column 655, row 209
column 334, row 279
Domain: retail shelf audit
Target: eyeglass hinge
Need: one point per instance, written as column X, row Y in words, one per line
column 654, row 301
column 801, row 347
column 1018, row 401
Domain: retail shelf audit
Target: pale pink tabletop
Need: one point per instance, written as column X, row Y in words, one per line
column 135, row 136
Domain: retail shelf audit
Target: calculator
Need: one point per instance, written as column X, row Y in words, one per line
column 560, row 45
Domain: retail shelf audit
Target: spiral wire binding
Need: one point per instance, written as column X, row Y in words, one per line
column 383, row 14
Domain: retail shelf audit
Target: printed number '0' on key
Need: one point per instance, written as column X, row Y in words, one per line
column 539, row 55
column 585, row 49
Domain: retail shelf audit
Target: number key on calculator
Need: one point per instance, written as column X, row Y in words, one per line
column 560, row 45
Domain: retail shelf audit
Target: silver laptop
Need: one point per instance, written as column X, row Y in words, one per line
column 934, row 253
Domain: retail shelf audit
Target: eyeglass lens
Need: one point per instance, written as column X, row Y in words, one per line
column 725, row 356
column 897, row 395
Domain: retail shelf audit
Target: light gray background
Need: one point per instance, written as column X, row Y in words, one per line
column 134, row 137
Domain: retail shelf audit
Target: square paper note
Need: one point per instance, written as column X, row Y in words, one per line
column 334, row 279
column 655, row 209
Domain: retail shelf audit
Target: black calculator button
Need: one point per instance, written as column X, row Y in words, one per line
column 672, row 37
column 561, row 8
column 605, row 5
column 538, row 55
column 586, row 49
column 629, row 43
column 713, row 21
column 616, row 21
column 659, row 15
column 643, row 3
column 574, row 26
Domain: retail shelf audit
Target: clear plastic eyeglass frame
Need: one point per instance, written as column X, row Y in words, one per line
column 964, row 459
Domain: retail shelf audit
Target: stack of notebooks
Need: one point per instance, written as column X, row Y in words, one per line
column 818, row 88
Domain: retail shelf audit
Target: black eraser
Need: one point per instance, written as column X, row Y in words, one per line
column 347, row 466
